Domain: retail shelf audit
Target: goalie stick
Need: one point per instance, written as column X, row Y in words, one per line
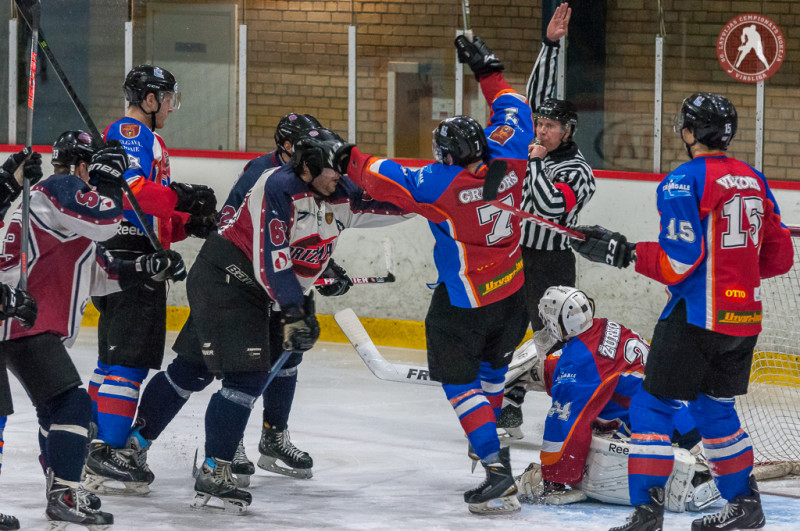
column 84, row 114
column 372, row 358
column 492, row 184
column 24, row 245
column 388, row 252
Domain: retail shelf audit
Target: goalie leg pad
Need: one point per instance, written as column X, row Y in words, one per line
column 679, row 485
column 532, row 490
column 606, row 476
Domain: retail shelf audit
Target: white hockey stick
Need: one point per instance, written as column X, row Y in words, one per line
column 377, row 364
column 388, row 251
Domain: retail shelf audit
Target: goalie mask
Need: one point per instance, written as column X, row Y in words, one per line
column 566, row 312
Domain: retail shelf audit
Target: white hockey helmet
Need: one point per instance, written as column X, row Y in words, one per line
column 566, row 312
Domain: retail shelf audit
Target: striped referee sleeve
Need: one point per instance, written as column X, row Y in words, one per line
column 542, row 82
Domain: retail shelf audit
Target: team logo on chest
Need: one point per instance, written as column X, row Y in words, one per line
column 308, row 255
column 129, row 130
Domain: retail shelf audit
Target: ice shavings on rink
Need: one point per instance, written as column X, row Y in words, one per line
column 386, row 456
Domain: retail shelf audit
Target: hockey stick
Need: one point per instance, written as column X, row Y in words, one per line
column 375, row 362
column 494, row 181
column 24, row 245
column 388, row 250
column 84, row 114
column 279, row 363
column 467, row 24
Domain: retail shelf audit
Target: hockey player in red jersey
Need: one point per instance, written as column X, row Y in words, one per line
column 474, row 322
column 66, row 266
column 129, row 345
column 721, row 233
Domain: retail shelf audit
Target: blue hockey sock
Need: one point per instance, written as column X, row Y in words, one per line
column 726, row 445
column 493, row 382
column 278, row 398
column 226, row 419
column 116, row 403
column 68, row 416
column 651, row 457
column 476, row 417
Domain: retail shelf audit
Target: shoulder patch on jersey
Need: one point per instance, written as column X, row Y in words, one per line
column 129, row 130
column 675, row 188
column 502, row 134
column 281, row 260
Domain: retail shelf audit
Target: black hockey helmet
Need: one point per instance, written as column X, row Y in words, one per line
column 144, row 79
column 461, row 137
column 292, row 126
column 72, row 148
column 711, row 117
column 317, row 149
column 562, row 111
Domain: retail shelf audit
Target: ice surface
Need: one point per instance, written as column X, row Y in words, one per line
column 386, row 456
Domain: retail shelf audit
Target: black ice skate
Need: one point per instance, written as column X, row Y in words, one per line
column 107, row 468
column 743, row 512
column 648, row 516
column 276, row 446
column 215, row 481
column 509, row 422
column 498, row 493
column 66, row 507
column 8, row 522
column 241, row 467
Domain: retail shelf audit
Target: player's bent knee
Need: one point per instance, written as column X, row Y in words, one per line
column 186, row 377
column 69, row 411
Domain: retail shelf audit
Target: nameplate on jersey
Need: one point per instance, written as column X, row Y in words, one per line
column 739, row 182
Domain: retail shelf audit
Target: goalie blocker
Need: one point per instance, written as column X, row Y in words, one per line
column 690, row 486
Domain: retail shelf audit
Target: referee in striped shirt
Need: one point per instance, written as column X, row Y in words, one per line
column 558, row 184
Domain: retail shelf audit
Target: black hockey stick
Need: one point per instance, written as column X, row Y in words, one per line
column 495, row 182
column 372, row 358
column 84, row 114
column 24, row 245
column 388, row 250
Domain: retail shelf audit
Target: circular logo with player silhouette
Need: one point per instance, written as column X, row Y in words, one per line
column 750, row 48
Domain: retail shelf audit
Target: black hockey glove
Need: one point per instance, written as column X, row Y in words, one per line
column 10, row 188
column 342, row 281
column 604, row 246
column 107, row 170
column 196, row 199
column 201, row 226
column 341, row 158
column 300, row 330
column 477, row 56
column 17, row 304
column 161, row 266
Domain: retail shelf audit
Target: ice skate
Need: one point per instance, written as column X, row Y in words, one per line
column 115, row 471
column 8, row 522
column 509, row 422
column 215, row 481
column 241, row 467
column 279, row 455
column 65, row 507
column 743, row 512
column 648, row 516
column 498, row 493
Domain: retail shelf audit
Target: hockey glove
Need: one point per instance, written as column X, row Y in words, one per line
column 161, row 266
column 300, row 330
column 201, row 226
column 196, row 199
column 10, row 188
column 17, row 304
column 604, row 246
column 107, row 170
column 342, row 281
column 341, row 158
column 477, row 56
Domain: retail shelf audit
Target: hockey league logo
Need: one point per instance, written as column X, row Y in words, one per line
column 129, row 130
column 750, row 48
